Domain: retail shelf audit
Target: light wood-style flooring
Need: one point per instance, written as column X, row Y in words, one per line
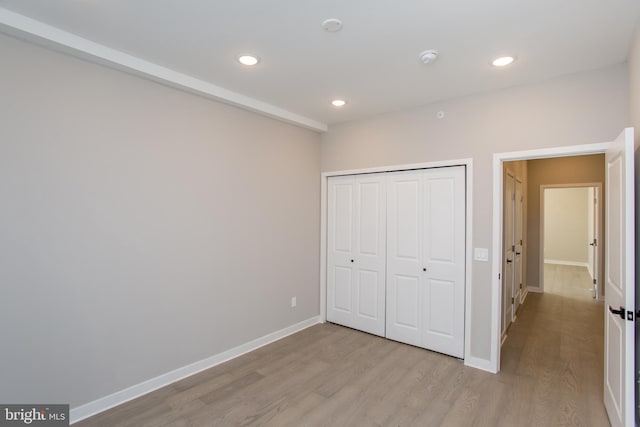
column 328, row 375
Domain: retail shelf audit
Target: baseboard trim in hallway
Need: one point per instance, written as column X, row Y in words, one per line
column 100, row 405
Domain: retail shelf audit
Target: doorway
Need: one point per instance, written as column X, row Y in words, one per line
column 532, row 283
column 570, row 241
column 619, row 266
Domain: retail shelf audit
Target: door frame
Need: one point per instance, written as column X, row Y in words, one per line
column 598, row 220
column 468, row 164
column 496, row 268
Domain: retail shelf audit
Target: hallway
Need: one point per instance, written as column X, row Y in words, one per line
column 554, row 352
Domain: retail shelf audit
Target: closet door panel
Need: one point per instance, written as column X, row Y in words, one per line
column 340, row 249
column 444, row 260
column 368, row 299
column 342, row 295
column 371, row 253
column 356, row 243
column 404, row 278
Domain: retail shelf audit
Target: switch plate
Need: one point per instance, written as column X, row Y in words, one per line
column 481, row 254
column 294, row 301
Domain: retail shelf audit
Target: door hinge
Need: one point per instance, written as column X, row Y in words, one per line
column 594, row 281
column 513, row 300
column 513, row 248
column 520, row 285
column 499, row 276
column 520, row 242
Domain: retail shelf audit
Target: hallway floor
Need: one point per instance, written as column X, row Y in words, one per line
column 554, row 352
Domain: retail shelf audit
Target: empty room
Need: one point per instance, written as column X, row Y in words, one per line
column 318, row 213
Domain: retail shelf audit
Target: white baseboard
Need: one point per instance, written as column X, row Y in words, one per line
column 92, row 408
column 590, row 270
column 534, row 289
column 524, row 294
column 562, row 262
column 482, row 364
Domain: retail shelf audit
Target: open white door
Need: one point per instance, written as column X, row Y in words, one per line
column 619, row 282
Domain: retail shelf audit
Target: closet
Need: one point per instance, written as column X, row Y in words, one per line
column 396, row 255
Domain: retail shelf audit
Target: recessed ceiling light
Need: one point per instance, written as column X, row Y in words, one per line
column 503, row 61
column 338, row 102
column 248, row 60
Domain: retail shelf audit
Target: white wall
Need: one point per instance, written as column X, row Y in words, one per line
column 142, row 228
column 578, row 109
column 566, row 225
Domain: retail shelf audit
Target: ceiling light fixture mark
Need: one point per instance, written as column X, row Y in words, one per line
column 332, row 25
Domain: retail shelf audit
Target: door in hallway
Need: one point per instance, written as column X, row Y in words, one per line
column 508, row 251
column 517, row 241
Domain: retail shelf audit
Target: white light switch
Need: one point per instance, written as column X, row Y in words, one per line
column 481, row 254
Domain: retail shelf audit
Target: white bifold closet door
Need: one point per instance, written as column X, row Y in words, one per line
column 426, row 258
column 356, row 258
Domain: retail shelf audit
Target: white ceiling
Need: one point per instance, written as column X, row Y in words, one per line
column 372, row 63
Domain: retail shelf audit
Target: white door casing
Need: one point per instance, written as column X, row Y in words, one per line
column 619, row 282
column 356, row 256
column 426, row 258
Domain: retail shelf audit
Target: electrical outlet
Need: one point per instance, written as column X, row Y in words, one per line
column 294, row 301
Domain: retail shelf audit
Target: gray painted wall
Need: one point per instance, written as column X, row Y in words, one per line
column 578, row 109
column 142, row 228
